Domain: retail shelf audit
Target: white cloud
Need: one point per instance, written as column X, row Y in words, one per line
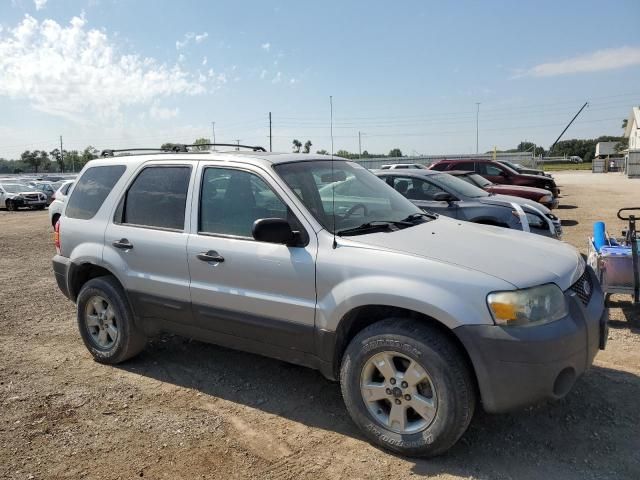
column 189, row 37
column 600, row 60
column 160, row 113
column 40, row 4
column 266, row 46
column 263, row 74
column 78, row 73
column 293, row 81
column 204, row 61
column 277, row 78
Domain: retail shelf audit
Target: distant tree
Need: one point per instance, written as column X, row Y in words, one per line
column 346, row 154
column 322, row 152
column 169, row 146
column 624, row 123
column 395, row 152
column 36, row 159
column 307, row 146
column 365, row 154
column 297, row 145
column 201, row 141
column 58, row 158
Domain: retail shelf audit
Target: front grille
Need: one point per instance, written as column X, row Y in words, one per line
column 583, row 288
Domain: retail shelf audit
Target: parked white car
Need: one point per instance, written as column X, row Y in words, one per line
column 59, row 199
column 16, row 195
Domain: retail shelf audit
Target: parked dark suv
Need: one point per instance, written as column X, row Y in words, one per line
column 496, row 172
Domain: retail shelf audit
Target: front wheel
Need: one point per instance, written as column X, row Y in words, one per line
column 11, row 206
column 407, row 386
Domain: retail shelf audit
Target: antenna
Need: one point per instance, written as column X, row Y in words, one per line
column 333, row 183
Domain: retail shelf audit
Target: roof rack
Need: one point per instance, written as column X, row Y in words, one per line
column 179, row 148
column 250, row 147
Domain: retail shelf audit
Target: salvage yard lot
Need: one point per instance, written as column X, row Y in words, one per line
column 185, row 409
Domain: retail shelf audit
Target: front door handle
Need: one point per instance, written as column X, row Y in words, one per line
column 210, row 256
column 123, row 243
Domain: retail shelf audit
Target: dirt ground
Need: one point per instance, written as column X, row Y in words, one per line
column 185, row 409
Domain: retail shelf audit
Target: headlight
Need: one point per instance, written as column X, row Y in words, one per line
column 545, row 199
column 527, row 307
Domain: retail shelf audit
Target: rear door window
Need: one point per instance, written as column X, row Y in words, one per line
column 91, row 190
column 490, row 170
column 156, row 198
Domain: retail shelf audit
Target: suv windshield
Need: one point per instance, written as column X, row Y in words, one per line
column 358, row 195
column 458, row 186
column 17, row 188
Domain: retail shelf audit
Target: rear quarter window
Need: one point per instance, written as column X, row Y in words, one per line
column 440, row 166
column 91, row 190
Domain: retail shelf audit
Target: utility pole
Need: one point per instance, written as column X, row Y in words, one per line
column 567, row 127
column 359, row 144
column 238, row 142
column 270, row 136
column 61, row 154
column 213, row 128
column 477, row 116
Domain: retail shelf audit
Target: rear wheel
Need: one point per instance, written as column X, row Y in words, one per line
column 407, row 387
column 11, row 206
column 106, row 322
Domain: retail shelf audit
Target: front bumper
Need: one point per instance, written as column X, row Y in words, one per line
column 519, row 366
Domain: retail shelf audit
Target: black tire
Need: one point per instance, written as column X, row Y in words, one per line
column 444, row 364
column 11, row 206
column 130, row 340
column 39, row 207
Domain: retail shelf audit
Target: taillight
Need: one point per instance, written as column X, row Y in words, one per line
column 56, row 237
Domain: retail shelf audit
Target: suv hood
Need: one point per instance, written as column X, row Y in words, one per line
column 520, row 258
column 502, row 199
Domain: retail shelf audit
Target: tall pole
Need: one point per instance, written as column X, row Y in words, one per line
column 270, row 136
column 477, row 116
column 238, row 142
column 359, row 144
column 213, row 131
column 567, row 127
column 62, row 154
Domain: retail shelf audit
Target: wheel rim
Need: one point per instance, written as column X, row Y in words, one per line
column 101, row 323
column 398, row 392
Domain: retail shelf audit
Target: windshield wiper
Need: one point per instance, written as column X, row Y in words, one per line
column 374, row 225
column 416, row 216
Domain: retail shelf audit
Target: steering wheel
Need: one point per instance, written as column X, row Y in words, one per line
column 351, row 211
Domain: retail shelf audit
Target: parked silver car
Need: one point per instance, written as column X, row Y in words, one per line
column 417, row 315
column 445, row 194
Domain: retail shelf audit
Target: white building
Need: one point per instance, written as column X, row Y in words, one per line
column 606, row 149
column 632, row 132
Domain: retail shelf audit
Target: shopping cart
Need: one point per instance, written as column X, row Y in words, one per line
column 616, row 260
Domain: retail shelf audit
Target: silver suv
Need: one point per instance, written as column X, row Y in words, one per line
column 418, row 316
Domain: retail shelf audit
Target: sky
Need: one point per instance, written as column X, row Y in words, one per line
column 406, row 74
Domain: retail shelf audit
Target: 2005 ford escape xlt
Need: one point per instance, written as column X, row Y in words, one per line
column 419, row 317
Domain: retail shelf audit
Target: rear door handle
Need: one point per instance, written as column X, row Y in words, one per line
column 210, row 256
column 123, row 243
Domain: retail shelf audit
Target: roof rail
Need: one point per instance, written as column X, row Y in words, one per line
column 250, row 147
column 179, row 148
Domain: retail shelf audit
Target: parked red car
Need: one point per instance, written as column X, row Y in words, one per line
column 539, row 195
column 496, row 172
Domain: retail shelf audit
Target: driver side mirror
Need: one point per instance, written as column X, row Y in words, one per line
column 444, row 197
column 274, row 230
